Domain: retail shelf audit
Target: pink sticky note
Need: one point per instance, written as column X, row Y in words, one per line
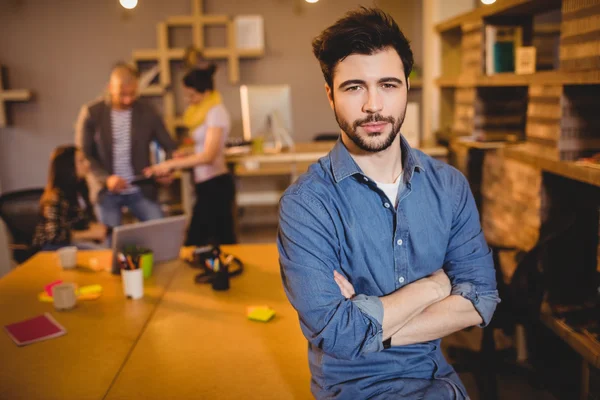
column 48, row 287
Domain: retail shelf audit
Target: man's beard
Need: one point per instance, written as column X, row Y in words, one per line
column 362, row 142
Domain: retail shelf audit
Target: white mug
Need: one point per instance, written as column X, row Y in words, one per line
column 67, row 257
column 64, row 296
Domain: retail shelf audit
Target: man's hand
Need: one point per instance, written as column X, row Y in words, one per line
column 165, row 180
column 345, row 287
column 159, row 170
column 442, row 281
column 115, row 183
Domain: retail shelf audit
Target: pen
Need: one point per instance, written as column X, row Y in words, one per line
column 130, row 262
column 122, row 261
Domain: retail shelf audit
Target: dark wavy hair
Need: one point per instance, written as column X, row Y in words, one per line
column 362, row 31
column 200, row 79
column 62, row 177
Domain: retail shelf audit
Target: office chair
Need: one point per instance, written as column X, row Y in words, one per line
column 20, row 211
column 521, row 302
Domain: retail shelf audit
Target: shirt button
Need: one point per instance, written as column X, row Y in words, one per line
column 401, row 280
column 399, row 242
column 387, row 205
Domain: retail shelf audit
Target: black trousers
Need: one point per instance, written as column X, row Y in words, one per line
column 213, row 217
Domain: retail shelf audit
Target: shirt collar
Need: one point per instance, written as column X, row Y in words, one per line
column 343, row 165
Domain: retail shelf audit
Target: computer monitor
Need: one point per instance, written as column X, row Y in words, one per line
column 267, row 112
column 163, row 236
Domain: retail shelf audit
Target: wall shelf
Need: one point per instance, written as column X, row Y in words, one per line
column 568, row 169
column 505, row 8
column 591, row 77
column 469, row 142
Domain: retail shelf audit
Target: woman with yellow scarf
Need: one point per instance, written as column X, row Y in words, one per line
column 208, row 123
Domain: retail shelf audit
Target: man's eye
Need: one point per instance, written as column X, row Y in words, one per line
column 389, row 86
column 352, row 88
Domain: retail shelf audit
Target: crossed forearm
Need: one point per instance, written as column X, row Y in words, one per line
column 437, row 321
column 402, row 306
column 421, row 311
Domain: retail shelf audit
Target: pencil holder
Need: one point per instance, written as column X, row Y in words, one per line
column 133, row 283
column 220, row 279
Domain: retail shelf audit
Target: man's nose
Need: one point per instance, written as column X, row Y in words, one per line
column 374, row 103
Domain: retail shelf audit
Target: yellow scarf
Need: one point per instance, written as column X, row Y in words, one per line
column 195, row 114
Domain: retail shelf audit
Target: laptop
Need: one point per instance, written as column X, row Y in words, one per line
column 163, row 236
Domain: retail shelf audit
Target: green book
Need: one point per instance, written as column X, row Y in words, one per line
column 504, row 57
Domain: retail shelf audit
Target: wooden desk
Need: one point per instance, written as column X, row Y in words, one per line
column 180, row 341
column 309, row 152
column 199, row 343
column 100, row 333
column 292, row 163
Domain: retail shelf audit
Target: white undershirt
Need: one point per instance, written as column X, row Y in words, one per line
column 391, row 189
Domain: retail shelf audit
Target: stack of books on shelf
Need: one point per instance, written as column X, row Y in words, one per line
column 546, row 40
column 500, row 114
column 543, row 120
column 579, row 41
column 464, row 98
column 563, row 123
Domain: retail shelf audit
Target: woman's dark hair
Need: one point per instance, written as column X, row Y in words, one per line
column 199, row 79
column 62, row 176
column 363, row 31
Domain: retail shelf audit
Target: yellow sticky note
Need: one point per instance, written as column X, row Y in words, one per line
column 43, row 297
column 89, row 289
column 88, row 296
column 260, row 313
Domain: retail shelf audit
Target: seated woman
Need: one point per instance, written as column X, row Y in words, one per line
column 67, row 215
column 208, row 122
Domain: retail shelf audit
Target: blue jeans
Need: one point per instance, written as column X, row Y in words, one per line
column 109, row 208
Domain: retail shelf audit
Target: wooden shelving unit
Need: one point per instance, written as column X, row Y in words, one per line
column 416, row 83
column 568, row 169
column 552, row 113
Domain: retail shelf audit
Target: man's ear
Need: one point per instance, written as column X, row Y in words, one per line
column 329, row 95
column 408, row 84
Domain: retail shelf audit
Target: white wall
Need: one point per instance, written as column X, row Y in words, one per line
column 63, row 49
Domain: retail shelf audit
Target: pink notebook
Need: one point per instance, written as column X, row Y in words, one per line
column 34, row 330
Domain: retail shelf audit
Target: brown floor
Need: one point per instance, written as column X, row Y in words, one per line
column 511, row 386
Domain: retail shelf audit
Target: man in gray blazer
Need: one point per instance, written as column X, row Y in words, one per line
column 115, row 134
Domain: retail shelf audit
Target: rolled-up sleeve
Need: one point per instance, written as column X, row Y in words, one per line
column 308, row 254
column 469, row 263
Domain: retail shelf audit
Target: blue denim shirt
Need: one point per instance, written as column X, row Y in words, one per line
column 335, row 217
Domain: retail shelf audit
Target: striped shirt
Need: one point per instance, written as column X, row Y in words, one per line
column 121, row 131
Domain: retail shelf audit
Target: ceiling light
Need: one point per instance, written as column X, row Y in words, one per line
column 488, row 1
column 128, row 4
